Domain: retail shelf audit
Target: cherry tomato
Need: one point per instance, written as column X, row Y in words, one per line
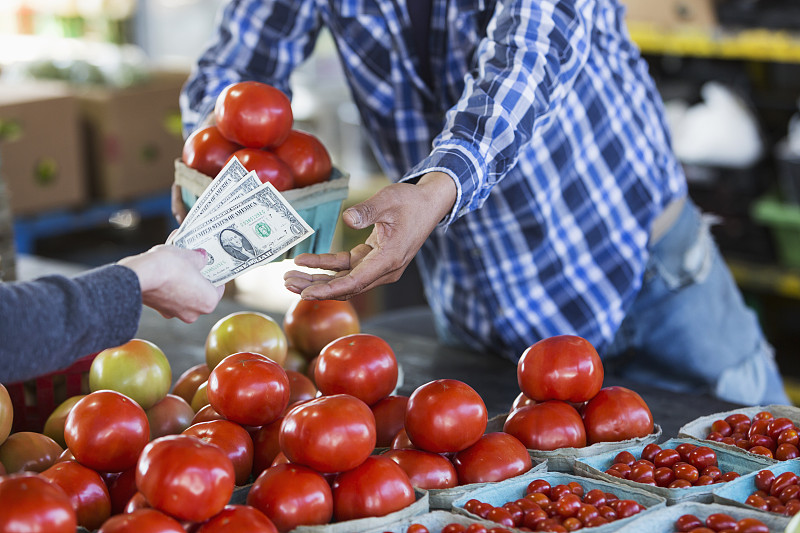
column 329, row 433
column 253, row 114
column 267, row 166
column 751, row 525
column 720, row 521
column 34, row 504
column 616, row 413
column 292, row 495
column 376, row 487
column 28, row 451
column 417, row 528
column 786, row 451
column 495, row 457
column 185, row 477
column 107, row 431
column 445, row 416
column 360, row 365
column 548, row 425
column 238, row 518
column 86, row 490
column 667, row 457
column 233, row 439
column 207, row 150
column 390, row 414
column 249, row 389
column 782, row 481
column 306, row 156
column 777, row 426
column 563, row 367
column 702, row 457
column 142, row 521
column 625, row 457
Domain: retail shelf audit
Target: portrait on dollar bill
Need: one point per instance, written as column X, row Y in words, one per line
column 236, row 245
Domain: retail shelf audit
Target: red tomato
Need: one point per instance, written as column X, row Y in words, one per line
column 376, row 487
column 138, row 369
column 142, row 521
column 521, row 401
column 390, row 414
column 306, row 156
column 185, row 477
column 137, row 501
column 6, row 413
column 121, row 488
column 267, row 166
column 292, row 495
column 329, row 433
column 615, row 414
column 266, row 446
column 311, row 324
column 301, row 387
column 234, row 440
column 564, row 367
column 207, row 150
column 245, row 331
column 248, row 389
column 425, row 470
column 402, row 442
column 28, row 451
column 86, row 490
column 444, row 416
column 34, row 504
column 495, row 457
column 238, row 518
column 107, row 431
column 170, row 416
column 547, row 426
column 360, row 365
column 187, row 383
column 253, row 114
column 206, row 414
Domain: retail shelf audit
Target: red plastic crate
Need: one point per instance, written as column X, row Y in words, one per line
column 34, row 400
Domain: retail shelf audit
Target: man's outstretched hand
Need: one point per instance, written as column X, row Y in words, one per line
column 403, row 215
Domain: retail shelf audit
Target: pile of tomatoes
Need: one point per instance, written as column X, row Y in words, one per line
column 776, row 438
column 253, row 122
column 563, row 507
column 562, row 401
column 719, row 522
column 686, row 465
column 776, row 494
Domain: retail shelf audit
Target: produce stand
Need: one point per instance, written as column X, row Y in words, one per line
column 408, row 331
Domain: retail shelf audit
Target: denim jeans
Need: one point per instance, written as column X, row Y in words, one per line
column 689, row 328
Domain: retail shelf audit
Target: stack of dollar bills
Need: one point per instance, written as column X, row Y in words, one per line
column 241, row 223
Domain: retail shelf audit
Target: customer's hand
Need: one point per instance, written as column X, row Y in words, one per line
column 172, row 284
column 404, row 215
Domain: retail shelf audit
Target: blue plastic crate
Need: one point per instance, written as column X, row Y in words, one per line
column 319, row 205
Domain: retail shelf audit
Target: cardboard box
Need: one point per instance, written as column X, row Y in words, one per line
column 133, row 136
column 41, row 149
column 672, row 14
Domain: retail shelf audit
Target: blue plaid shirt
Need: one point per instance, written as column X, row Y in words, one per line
column 542, row 111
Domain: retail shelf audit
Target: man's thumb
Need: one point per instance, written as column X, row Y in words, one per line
column 360, row 215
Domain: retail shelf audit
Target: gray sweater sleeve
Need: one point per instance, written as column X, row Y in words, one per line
column 48, row 323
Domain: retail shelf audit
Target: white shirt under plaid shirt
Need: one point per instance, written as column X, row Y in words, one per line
column 543, row 113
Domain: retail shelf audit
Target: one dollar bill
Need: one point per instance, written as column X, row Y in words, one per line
column 247, row 232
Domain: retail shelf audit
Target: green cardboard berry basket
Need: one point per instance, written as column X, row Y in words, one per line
column 319, row 205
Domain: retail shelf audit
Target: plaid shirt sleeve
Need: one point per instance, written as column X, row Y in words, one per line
column 260, row 40
column 526, row 65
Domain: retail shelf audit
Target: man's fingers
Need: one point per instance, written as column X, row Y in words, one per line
column 335, row 261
